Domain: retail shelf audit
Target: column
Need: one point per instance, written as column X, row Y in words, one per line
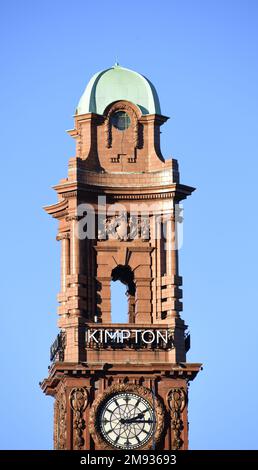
column 65, row 259
column 74, row 247
column 76, row 290
column 171, row 246
column 172, row 266
column 64, row 271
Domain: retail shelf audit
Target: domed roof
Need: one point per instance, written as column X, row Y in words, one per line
column 118, row 83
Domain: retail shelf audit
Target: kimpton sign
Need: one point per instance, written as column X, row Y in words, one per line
column 128, row 336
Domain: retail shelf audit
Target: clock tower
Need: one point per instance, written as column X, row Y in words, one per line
column 120, row 385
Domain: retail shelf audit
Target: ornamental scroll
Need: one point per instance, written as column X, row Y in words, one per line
column 78, row 402
column 176, row 402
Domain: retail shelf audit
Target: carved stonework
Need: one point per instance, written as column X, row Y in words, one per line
column 78, row 402
column 142, row 392
column 120, row 227
column 55, row 436
column 108, row 125
column 63, row 236
column 60, row 422
column 70, row 218
column 176, row 402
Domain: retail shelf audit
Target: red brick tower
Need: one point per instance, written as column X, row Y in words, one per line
column 119, row 386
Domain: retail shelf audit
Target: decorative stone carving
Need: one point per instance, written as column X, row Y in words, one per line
column 108, row 125
column 78, row 402
column 55, row 434
column 176, row 402
column 60, row 432
column 70, row 218
column 119, row 227
column 63, row 236
column 142, row 392
column 144, row 228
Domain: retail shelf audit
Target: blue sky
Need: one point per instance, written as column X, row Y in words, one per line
column 202, row 57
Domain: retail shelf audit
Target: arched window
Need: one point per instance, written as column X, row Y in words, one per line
column 122, row 295
column 119, row 302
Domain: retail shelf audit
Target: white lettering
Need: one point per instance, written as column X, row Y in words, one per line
column 148, row 332
column 163, row 337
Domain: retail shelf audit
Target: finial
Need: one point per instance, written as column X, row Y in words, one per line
column 116, row 63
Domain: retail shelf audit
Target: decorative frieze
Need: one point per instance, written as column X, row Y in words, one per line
column 78, row 403
column 123, row 227
column 176, row 402
column 60, row 435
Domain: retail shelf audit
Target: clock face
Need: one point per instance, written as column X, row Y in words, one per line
column 126, row 421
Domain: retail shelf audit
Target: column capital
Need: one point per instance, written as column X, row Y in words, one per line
column 69, row 218
column 63, row 236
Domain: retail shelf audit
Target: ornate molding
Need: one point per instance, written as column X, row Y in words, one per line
column 59, row 209
column 55, row 434
column 78, row 401
column 69, row 218
column 63, row 236
column 71, row 194
column 139, row 390
column 145, row 196
column 119, row 106
column 122, row 227
column 60, row 433
column 176, row 401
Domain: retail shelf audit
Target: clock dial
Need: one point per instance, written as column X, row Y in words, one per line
column 126, row 421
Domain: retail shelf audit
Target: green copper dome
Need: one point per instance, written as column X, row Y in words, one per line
column 118, row 83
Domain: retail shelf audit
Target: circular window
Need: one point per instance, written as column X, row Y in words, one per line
column 120, row 120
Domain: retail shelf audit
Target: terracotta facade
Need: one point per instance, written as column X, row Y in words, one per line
column 125, row 168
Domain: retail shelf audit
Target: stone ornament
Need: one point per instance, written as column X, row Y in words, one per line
column 78, row 402
column 176, row 402
column 121, row 106
column 60, row 433
column 120, row 227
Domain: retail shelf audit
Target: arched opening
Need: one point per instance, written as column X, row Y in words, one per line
column 119, row 302
column 122, row 295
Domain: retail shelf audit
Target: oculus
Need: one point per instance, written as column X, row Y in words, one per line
column 120, row 120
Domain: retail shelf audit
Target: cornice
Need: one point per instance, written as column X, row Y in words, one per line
column 172, row 191
column 57, row 210
column 60, row 370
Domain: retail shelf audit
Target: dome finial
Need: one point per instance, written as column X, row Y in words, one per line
column 116, row 63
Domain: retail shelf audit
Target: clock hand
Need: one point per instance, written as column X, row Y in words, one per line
column 129, row 420
column 135, row 420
